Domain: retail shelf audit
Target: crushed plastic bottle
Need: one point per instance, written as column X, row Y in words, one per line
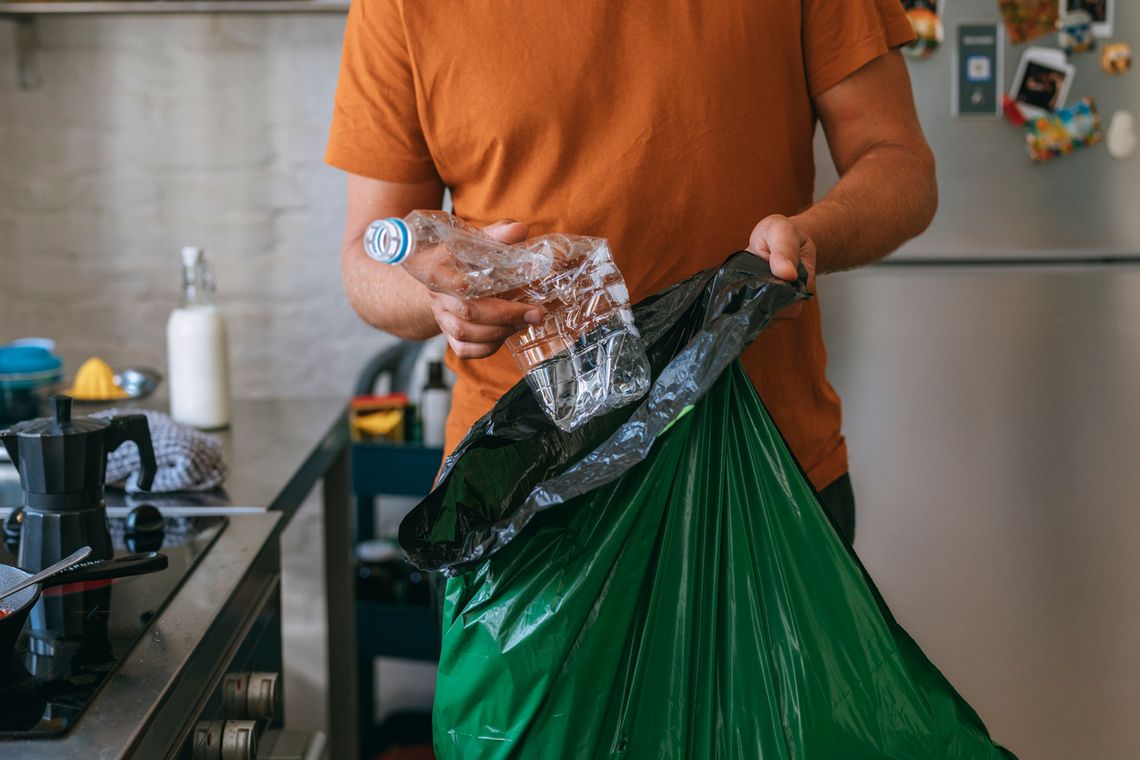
column 586, row 357
column 450, row 256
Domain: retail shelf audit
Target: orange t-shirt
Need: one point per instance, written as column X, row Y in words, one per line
column 669, row 127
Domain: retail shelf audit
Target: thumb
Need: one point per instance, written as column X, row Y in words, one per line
column 507, row 231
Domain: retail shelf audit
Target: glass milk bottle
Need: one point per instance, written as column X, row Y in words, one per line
column 197, row 350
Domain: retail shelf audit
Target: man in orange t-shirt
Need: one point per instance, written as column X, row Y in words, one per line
column 681, row 132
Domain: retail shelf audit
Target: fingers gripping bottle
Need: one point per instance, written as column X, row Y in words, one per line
column 586, row 357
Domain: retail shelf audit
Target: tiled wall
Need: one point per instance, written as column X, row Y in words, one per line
column 151, row 132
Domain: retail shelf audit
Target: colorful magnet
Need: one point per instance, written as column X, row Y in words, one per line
column 1120, row 139
column 1075, row 32
column 1100, row 12
column 1059, row 134
column 1116, row 58
column 1028, row 19
column 928, row 31
column 1042, row 81
column 1012, row 111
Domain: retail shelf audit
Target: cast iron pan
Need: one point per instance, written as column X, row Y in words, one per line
column 14, row 609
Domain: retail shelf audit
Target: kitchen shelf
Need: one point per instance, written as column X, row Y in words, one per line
column 173, row 6
column 388, row 629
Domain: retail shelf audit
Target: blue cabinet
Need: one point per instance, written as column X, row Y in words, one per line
column 386, row 628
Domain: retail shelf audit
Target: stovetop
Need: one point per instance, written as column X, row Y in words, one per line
column 77, row 634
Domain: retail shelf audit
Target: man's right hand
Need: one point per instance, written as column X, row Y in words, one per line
column 476, row 328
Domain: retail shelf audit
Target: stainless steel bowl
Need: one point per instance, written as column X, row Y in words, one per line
column 138, row 382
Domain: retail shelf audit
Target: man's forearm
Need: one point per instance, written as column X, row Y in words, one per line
column 886, row 197
column 385, row 296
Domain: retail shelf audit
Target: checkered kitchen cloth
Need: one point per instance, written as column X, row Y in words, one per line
column 187, row 459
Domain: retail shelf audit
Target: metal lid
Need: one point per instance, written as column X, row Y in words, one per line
column 59, row 423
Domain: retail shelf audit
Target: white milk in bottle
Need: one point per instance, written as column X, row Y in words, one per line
column 197, row 350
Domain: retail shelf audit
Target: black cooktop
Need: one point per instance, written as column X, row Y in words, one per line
column 77, row 634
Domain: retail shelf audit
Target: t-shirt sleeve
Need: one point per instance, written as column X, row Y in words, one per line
column 842, row 36
column 376, row 129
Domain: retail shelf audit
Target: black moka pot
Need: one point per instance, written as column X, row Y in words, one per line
column 63, row 467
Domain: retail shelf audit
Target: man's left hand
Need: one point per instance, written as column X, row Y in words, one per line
column 784, row 245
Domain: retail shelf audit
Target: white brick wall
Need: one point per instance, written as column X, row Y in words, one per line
column 152, row 132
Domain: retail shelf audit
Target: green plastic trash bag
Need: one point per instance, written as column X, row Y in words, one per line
column 666, row 584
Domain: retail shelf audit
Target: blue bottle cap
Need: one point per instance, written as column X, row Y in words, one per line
column 388, row 240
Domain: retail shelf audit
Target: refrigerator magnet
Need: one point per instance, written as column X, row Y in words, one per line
column 1065, row 131
column 925, row 19
column 1120, row 138
column 1042, row 81
column 1075, row 32
column 1012, row 111
column 1028, row 19
column 1101, row 12
column 977, row 71
column 1116, row 58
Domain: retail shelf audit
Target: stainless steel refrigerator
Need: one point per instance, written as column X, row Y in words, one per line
column 990, row 373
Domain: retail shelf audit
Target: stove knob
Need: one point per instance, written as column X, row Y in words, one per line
column 252, row 695
column 239, row 740
column 144, row 529
column 263, row 696
column 234, row 689
column 208, row 740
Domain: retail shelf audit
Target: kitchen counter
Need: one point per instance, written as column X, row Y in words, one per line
column 277, row 452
